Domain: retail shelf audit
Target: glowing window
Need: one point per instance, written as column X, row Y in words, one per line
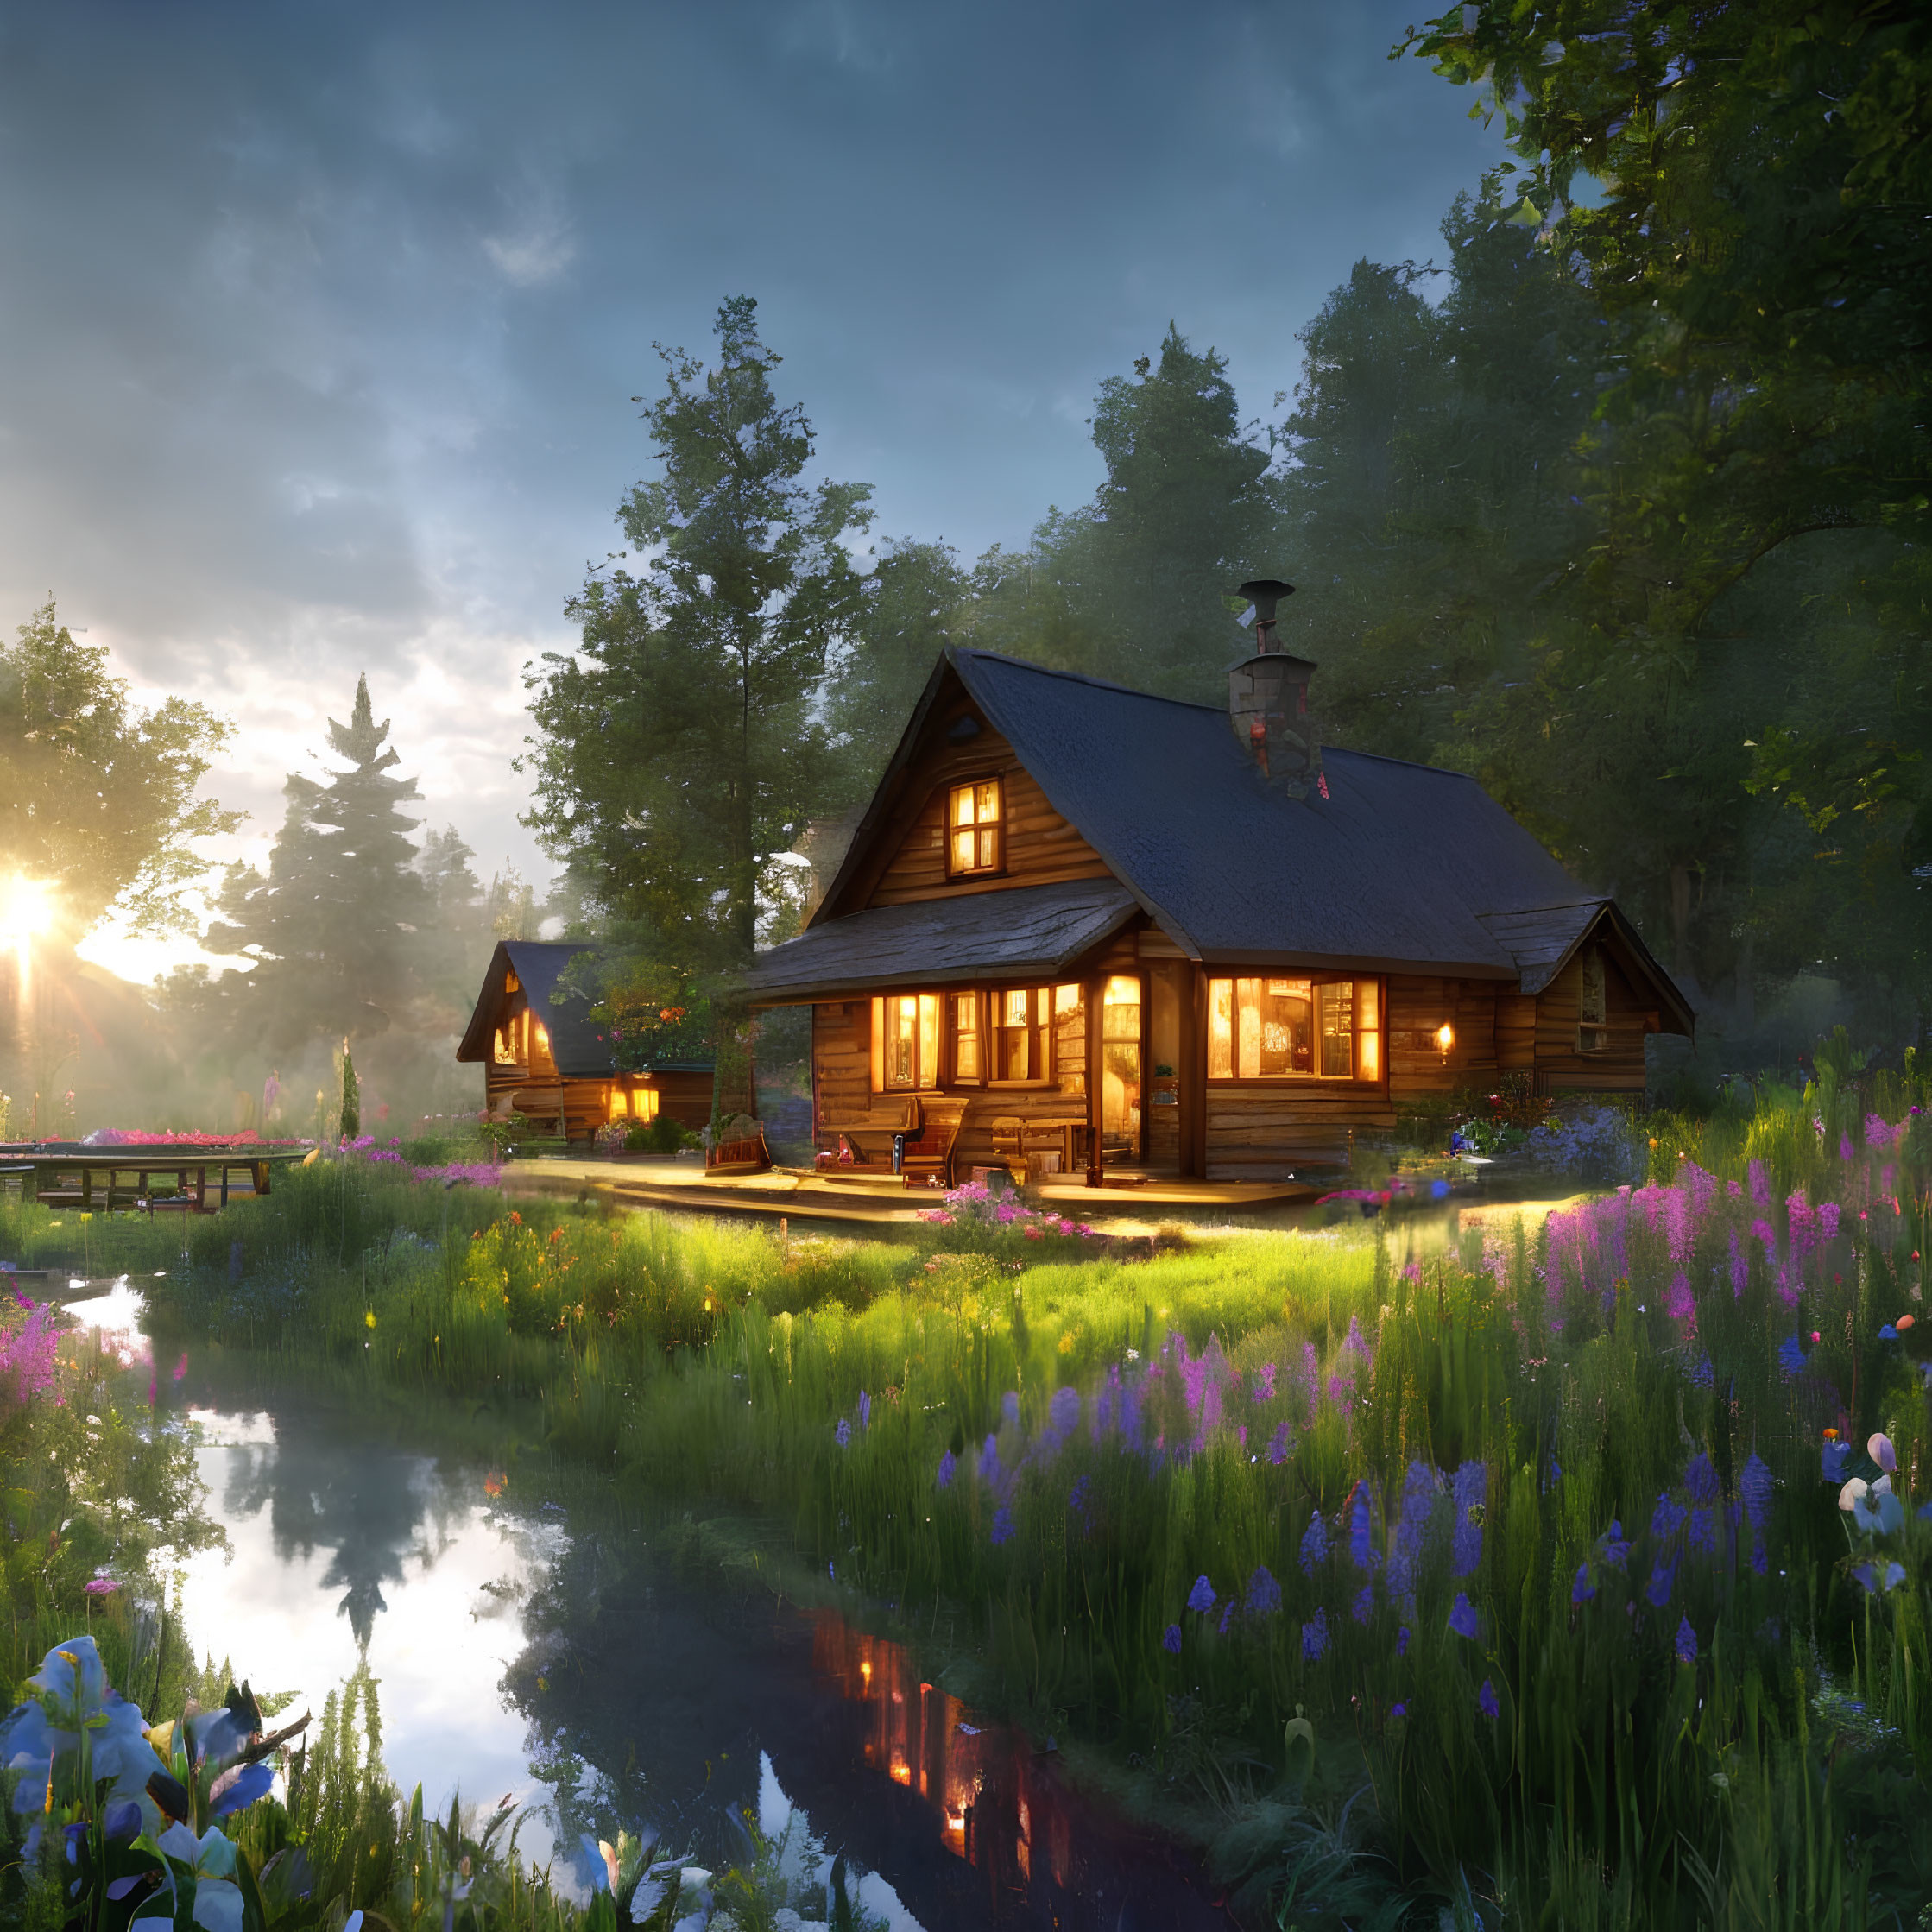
column 1593, row 1014
column 1022, row 1032
column 1287, row 1029
column 976, row 823
column 966, row 1066
column 905, row 1042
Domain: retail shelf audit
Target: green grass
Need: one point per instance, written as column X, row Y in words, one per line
column 1776, row 1777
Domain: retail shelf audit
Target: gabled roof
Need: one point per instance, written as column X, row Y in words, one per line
column 1544, row 940
column 577, row 1042
column 1026, row 933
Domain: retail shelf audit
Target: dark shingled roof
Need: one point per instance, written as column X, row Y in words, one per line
column 1021, row 934
column 1392, row 870
column 575, row 1042
column 1400, row 868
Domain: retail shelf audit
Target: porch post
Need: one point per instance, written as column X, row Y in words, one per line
column 1095, row 991
column 1193, row 1070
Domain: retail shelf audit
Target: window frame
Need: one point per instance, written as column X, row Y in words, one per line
column 1039, row 1027
column 1375, row 1003
column 927, row 1059
column 1593, row 1035
column 975, row 998
column 997, row 824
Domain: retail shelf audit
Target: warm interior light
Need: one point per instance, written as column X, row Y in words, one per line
column 1445, row 1037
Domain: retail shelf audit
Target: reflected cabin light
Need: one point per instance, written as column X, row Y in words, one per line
column 1445, row 1037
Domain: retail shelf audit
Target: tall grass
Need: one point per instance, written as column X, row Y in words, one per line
column 1531, row 1532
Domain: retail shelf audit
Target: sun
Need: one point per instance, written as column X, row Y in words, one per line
column 26, row 907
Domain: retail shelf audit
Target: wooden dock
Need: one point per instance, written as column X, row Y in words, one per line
column 109, row 1180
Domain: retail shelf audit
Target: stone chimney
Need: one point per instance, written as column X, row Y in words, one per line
column 1267, row 703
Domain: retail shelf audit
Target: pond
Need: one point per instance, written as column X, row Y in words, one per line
column 533, row 1632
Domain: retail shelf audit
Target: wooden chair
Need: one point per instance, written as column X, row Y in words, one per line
column 926, row 1155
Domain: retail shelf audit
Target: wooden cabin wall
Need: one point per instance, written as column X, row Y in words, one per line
column 1418, row 1005
column 684, row 1097
column 1268, row 1130
column 1618, row 1067
column 1042, row 848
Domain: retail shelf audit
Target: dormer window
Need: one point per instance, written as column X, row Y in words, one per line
column 976, row 829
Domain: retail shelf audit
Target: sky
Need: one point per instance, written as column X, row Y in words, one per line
column 324, row 323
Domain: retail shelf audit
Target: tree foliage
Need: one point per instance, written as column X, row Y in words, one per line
column 99, row 795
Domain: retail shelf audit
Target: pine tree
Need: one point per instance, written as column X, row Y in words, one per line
column 334, row 927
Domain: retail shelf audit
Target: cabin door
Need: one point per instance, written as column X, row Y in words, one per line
column 1121, row 1070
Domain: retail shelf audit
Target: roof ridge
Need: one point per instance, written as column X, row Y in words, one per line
column 959, row 651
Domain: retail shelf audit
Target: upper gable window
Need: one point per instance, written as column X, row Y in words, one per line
column 976, row 827
column 1593, row 1006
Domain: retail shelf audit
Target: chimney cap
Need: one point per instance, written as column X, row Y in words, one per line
column 1265, row 593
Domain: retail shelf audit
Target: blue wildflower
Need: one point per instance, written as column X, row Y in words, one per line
column 1362, row 1544
column 1264, row 1594
column 1064, row 1417
column 1888, row 1332
column 1278, row 1445
column 865, row 1409
column 1228, row 1614
column 948, row 1466
column 1002, row 1526
column 1201, row 1598
column 1399, row 1710
column 1657, row 1592
column 1582, row 1589
column 1315, row 1543
column 1170, row 1640
column 1486, row 1700
column 1421, row 1489
column 1700, row 1478
column 1364, row 1606
column 843, row 1432
column 1791, row 1356
column 1611, row 1547
column 1472, row 1488
column 1754, row 1487
column 1686, row 1641
column 1438, row 1190
column 1667, row 1518
column 1702, row 1376
column 1835, row 1459
column 1076, row 1499
column 1315, row 1637
column 1463, row 1616
column 989, row 1461
column 1402, row 1641
column 1009, row 1407
column 1703, row 1532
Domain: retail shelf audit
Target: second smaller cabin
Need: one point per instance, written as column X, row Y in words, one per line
column 545, row 1059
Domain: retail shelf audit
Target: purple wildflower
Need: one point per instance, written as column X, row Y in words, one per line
column 1740, row 1270
column 1278, row 1445
column 1315, row 1637
column 1877, row 1132
column 1311, row 1378
column 1463, row 1616
column 1472, row 1486
column 1263, row 1382
column 1063, row 1416
column 1170, row 1640
column 989, row 1461
column 1754, row 1487
column 1402, row 1641
column 1827, row 1221
column 1486, row 1700
column 1201, row 1598
column 1421, row 1489
column 1582, row 1589
column 1076, row 1501
column 1760, row 1187
column 1002, row 1526
column 843, row 1432
column 1686, row 1641
column 1679, row 1304
column 1264, row 1594
column 1364, row 1606
column 949, row 1465
column 865, row 1409
column 1315, row 1543
column 1009, row 1407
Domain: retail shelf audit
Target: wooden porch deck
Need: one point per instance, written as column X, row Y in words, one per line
column 883, row 1200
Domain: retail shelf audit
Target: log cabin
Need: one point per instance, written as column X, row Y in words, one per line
column 545, row 1058
column 1083, row 926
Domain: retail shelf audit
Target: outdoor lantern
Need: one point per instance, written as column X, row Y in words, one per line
column 1445, row 1038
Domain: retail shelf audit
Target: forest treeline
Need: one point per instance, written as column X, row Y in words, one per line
column 1619, row 504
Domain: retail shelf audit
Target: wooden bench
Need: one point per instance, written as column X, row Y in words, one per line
column 927, row 1155
column 923, row 1141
